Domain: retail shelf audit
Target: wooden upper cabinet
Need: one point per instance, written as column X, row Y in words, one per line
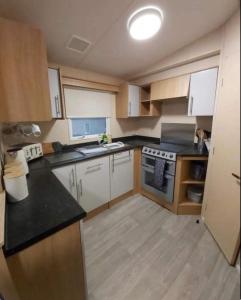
column 172, row 88
column 128, row 101
column 24, row 87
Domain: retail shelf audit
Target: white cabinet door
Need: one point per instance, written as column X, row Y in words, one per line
column 55, row 95
column 134, row 93
column 122, row 173
column 67, row 176
column 203, row 93
column 93, row 183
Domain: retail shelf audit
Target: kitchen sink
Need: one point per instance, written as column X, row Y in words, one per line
column 99, row 148
column 91, row 150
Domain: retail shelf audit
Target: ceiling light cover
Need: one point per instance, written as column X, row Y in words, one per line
column 145, row 22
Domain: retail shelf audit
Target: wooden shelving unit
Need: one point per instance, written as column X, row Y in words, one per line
column 183, row 205
column 192, row 181
column 147, row 107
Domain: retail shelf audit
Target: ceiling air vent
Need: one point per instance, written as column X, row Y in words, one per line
column 78, row 44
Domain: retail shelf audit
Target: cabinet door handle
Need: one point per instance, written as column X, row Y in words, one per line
column 236, row 176
column 73, row 177
column 80, row 188
column 113, row 164
column 95, row 166
column 57, row 105
column 129, row 103
column 191, row 105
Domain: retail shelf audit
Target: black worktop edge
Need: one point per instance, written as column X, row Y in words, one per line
column 42, row 236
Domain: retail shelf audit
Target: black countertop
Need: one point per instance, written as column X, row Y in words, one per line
column 49, row 206
column 48, row 209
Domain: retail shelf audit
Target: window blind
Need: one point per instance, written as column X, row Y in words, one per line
column 88, row 104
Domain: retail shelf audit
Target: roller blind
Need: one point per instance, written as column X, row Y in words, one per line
column 87, row 103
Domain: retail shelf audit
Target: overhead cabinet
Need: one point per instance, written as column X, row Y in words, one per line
column 177, row 87
column 202, row 95
column 55, row 93
column 128, row 101
column 24, row 87
column 122, row 173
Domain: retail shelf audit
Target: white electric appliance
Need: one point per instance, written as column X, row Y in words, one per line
column 31, row 151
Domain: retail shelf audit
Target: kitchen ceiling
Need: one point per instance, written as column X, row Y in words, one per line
column 103, row 24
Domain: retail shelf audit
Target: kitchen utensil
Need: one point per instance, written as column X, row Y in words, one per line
column 195, row 193
column 47, row 148
column 198, row 170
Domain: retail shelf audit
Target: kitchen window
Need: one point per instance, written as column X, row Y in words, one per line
column 84, row 128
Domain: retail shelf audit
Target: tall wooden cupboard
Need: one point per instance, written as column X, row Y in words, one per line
column 24, row 88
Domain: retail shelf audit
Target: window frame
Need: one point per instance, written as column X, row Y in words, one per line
column 86, row 137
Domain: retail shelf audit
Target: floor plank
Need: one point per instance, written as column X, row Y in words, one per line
column 139, row 250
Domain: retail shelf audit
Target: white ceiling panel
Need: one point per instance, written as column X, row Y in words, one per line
column 103, row 23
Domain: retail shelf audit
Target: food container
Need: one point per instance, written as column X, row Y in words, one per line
column 195, row 193
column 16, row 185
column 198, row 170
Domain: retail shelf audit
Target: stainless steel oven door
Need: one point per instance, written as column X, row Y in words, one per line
column 166, row 192
column 150, row 161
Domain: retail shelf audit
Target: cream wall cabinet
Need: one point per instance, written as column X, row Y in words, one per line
column 55, row 93
column 121, row 173
column 128, row 101
column 24, row 87
column 93, row 183
column 177, row 87
column 202, row 95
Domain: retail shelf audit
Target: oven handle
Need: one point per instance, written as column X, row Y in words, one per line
column 152, row 170
column 154, row 158
column 148, row 156
column 148, row 168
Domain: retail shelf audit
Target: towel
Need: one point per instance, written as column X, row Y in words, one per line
column 160, row 165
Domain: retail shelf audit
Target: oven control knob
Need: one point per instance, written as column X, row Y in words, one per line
column 154, row 152
column 149, row 151
column 158, row 153
column 163, row 154
column 171, row 155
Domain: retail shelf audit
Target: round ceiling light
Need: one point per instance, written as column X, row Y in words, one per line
column 145, row 22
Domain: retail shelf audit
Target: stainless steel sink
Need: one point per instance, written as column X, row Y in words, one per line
column 91, row 149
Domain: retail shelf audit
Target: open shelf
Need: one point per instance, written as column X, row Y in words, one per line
column 193, row 181
column 147, row 107
column 184, row 174
column 188, row 203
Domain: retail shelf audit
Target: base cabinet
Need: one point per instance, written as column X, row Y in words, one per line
column 93, row 183
column 96, row 182
column 121, row 173
column 67, row 176
column 52, row 269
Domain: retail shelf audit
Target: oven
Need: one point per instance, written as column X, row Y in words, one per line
column 166, row 192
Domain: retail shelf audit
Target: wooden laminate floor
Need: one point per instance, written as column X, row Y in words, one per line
column 140, row 251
